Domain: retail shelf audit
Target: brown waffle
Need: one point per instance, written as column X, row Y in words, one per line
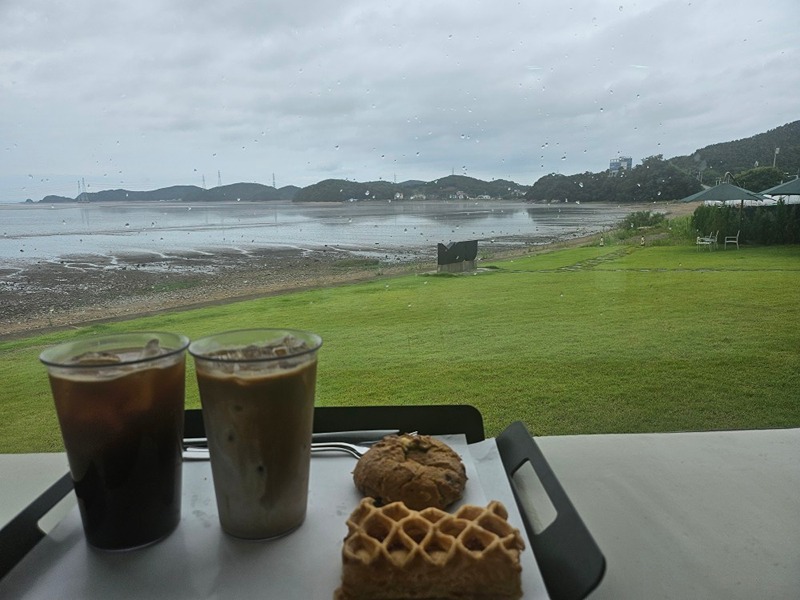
column 395, row 553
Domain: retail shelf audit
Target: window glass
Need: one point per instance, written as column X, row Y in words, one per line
column 157, row 155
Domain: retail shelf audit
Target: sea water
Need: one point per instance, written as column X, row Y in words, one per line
column 51, row 232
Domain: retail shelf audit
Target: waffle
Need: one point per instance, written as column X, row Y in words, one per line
column 395, row 553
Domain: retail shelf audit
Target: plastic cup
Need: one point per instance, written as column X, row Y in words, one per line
column 120, row 405
column 257, row 392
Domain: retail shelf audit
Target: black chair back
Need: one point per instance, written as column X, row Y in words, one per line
column 424, row 419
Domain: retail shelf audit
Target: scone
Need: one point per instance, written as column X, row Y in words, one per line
column 394, row 553
column 418, row 470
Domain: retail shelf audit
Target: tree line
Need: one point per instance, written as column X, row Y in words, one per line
column 655, row 179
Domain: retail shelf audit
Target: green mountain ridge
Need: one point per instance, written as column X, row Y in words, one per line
column 652, row 180
column 712, row 162
column 444, row 188
column 247, row 192
column 748, row 162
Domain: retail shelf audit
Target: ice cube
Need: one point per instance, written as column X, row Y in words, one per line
column 152, row 349
column 253, row 352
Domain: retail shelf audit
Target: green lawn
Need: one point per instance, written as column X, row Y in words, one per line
column 582, row 340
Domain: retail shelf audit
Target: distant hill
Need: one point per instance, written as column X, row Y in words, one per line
column 411, row 183
column 748, row 160
column 740, row 155
column 247, row 192
column 250, row 192
column 329, row 190
column 444, row 188
column 341, row 190
column 498, row 188
column 654, row 179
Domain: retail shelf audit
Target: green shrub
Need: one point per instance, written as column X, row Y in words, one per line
column 765, row 225
column 643, row 218
column 681, row 228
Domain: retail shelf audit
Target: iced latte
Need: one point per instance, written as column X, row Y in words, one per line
column 257, row 391
column 120, row 402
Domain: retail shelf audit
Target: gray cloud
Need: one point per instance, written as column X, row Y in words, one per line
column 140, row 95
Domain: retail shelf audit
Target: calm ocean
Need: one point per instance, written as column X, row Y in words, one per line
column 39, row 232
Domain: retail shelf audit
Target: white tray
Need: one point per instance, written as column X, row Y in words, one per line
column 199, row 561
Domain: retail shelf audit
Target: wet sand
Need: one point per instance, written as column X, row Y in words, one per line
column 83, row 290
column 72, row 293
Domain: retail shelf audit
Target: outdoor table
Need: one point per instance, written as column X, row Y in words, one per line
column 677, row 515
column 688, row 515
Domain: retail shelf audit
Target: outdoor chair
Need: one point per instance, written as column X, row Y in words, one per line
column 709, row 240
column 732, row 239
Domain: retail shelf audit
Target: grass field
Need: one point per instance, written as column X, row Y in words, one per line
column 584, row 340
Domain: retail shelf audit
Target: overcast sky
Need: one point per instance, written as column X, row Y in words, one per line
column 144, row 94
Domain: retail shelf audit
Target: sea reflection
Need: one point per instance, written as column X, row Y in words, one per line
column 49, row 232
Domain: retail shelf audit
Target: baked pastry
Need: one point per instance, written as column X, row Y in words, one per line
column 418, row 470
column 394, row 553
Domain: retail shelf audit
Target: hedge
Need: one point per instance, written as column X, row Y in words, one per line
column 764, row 225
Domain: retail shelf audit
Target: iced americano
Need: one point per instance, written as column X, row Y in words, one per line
column 120, row 403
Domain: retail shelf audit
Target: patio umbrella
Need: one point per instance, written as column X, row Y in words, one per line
column 725, row 193
column 788, row 191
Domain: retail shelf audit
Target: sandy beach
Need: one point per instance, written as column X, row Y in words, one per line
column 55, row 295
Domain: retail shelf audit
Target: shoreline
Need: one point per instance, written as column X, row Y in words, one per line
column 57, row 297
column 51, row 296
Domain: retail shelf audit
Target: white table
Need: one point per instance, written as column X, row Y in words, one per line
column 677, row 515
column 688, row 515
